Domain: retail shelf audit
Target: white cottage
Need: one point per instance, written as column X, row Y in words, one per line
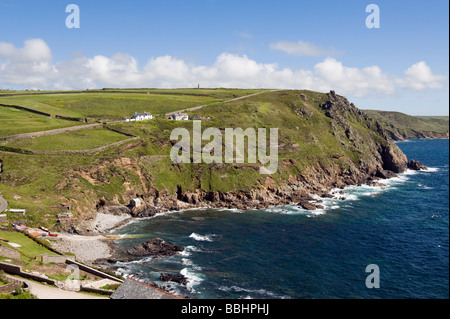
column 140, row 117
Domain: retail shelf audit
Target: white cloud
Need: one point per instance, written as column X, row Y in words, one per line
column 354, row 81
column 420, row 77
column 33, row 50
column 32, row 67
column 299, row 48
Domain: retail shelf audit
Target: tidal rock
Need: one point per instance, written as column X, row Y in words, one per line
column 417, row 166
column 385, row 174
column 175, row 278
column 308, row 205
column 156, row 247
column 146, row 211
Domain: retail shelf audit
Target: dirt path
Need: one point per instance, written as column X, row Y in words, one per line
column 50, row 132
column 49, row 292
column 235, row 99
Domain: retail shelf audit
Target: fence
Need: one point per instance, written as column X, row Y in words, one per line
column 26, row 109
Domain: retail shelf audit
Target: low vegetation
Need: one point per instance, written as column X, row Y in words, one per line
column 28, row 249
column 14, row 121
column 402, row 126
column 77, row 140
column 41, row 182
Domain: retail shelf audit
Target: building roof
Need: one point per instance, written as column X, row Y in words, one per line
column 142, row 114
column 134, row 289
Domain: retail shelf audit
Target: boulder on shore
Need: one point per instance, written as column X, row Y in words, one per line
column 417, row 166
column 179, row 278
column 156, row 247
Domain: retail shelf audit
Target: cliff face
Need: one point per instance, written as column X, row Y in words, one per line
column 399, row 126
column 384, row 152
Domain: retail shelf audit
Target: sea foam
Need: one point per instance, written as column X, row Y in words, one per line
column 192, row 279
column 198, row 237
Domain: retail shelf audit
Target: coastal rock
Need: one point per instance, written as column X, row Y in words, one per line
column 179, row 278
column 364, row 154
column 114, row 210
column 307, row 205
column 147, row 211
column 156, row 247
column 417, row 166
column 385, row 174
column 393, row 158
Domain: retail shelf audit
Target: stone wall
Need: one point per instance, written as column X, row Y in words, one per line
column 57, row 259
column 11, row 287
column 9, row 253
column 17, row 270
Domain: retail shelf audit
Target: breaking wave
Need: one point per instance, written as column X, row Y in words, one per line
column 198, row 237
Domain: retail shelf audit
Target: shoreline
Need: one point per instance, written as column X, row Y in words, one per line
column 98, row 244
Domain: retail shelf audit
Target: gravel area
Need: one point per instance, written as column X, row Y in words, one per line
column 89, row 248
column 85, row 248
column 105, row 222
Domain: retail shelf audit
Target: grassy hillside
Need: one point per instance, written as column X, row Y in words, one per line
column 14, row 121
column 115, row 104
column 84, row 139
column 402, row 126
column 317, row 142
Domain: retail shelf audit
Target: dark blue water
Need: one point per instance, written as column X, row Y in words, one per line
column 287, row 252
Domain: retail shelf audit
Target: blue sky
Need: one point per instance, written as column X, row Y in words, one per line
column 318, row 45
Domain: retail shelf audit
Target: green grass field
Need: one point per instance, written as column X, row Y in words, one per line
column 29, row 248
column 118, row 104
column 78, row 140
column 307, row 139
column 411, row 126
column 14, row 121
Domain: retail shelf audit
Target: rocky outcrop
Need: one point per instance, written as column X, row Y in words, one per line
column 385, row 153
column 155, row 248
column 373, row 156
column 393, row 158
column 145, row 211
column 380, row 159
column 178, row 278
column 417, row 166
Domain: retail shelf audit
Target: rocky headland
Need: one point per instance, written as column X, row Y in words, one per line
column 380, row 159
column 363, row 153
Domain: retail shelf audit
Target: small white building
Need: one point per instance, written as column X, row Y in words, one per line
column 18, row 211
column 136, row 202
column 140, row 117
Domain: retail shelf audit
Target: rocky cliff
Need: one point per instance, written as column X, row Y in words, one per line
column 399, row 126
column 326, row 143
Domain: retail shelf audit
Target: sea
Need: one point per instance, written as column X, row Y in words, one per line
column 384, row 242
